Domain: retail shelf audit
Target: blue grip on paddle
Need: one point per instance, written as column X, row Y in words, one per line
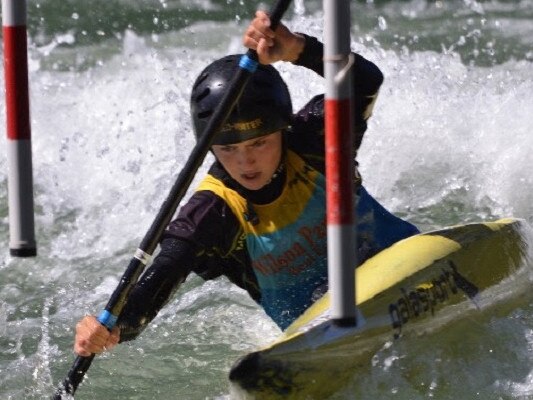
column 248, row 63
column 107, row 319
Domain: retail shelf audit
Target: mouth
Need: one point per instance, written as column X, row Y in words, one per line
column 250, row 176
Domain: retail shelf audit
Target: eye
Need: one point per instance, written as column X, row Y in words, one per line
column 227, row 148
column 259, row 143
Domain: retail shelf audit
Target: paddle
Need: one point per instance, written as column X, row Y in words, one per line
column 141, row 258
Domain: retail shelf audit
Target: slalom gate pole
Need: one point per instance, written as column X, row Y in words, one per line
column 20, row 174
column 142, row 256
column 339, row 162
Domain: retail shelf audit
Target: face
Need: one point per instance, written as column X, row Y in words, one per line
column 251, row 163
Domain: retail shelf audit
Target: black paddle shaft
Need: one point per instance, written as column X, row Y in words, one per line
column 150, row 241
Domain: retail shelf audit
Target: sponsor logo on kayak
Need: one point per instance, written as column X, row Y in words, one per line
column 424, row 298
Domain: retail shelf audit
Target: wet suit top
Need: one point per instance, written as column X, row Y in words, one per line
column 272, row 241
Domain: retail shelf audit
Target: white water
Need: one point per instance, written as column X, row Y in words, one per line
column 448, row 144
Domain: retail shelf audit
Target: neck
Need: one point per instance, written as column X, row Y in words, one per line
column 271, row 191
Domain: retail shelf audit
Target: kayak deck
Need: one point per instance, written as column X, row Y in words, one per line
column 413, row 287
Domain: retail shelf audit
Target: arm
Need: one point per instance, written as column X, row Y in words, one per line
column 187, row 246
column 366, row 80
column 156, row 286
column 307, row 51
column 148, row 296
column 204, row 239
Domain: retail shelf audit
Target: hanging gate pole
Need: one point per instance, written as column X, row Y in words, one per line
column 20, row 174
column 339, row 162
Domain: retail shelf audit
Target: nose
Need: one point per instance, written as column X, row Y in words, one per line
column 245, row 157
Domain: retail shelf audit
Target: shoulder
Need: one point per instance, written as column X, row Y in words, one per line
column 205, row 219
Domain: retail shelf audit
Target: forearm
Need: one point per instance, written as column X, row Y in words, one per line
column 367, row 77
column 366, row 81
column 312, row 54
column 156, row 287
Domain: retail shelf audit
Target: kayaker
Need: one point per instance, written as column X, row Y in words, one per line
column 258, row 217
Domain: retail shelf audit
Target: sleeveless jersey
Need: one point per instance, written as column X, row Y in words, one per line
column 288, row 245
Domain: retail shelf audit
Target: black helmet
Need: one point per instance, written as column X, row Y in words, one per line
column 264, row 107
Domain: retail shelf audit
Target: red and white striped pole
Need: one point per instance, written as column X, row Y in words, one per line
column 20, row 175
column 339, row 162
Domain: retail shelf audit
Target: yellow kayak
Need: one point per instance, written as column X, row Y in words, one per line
column 414, row 286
